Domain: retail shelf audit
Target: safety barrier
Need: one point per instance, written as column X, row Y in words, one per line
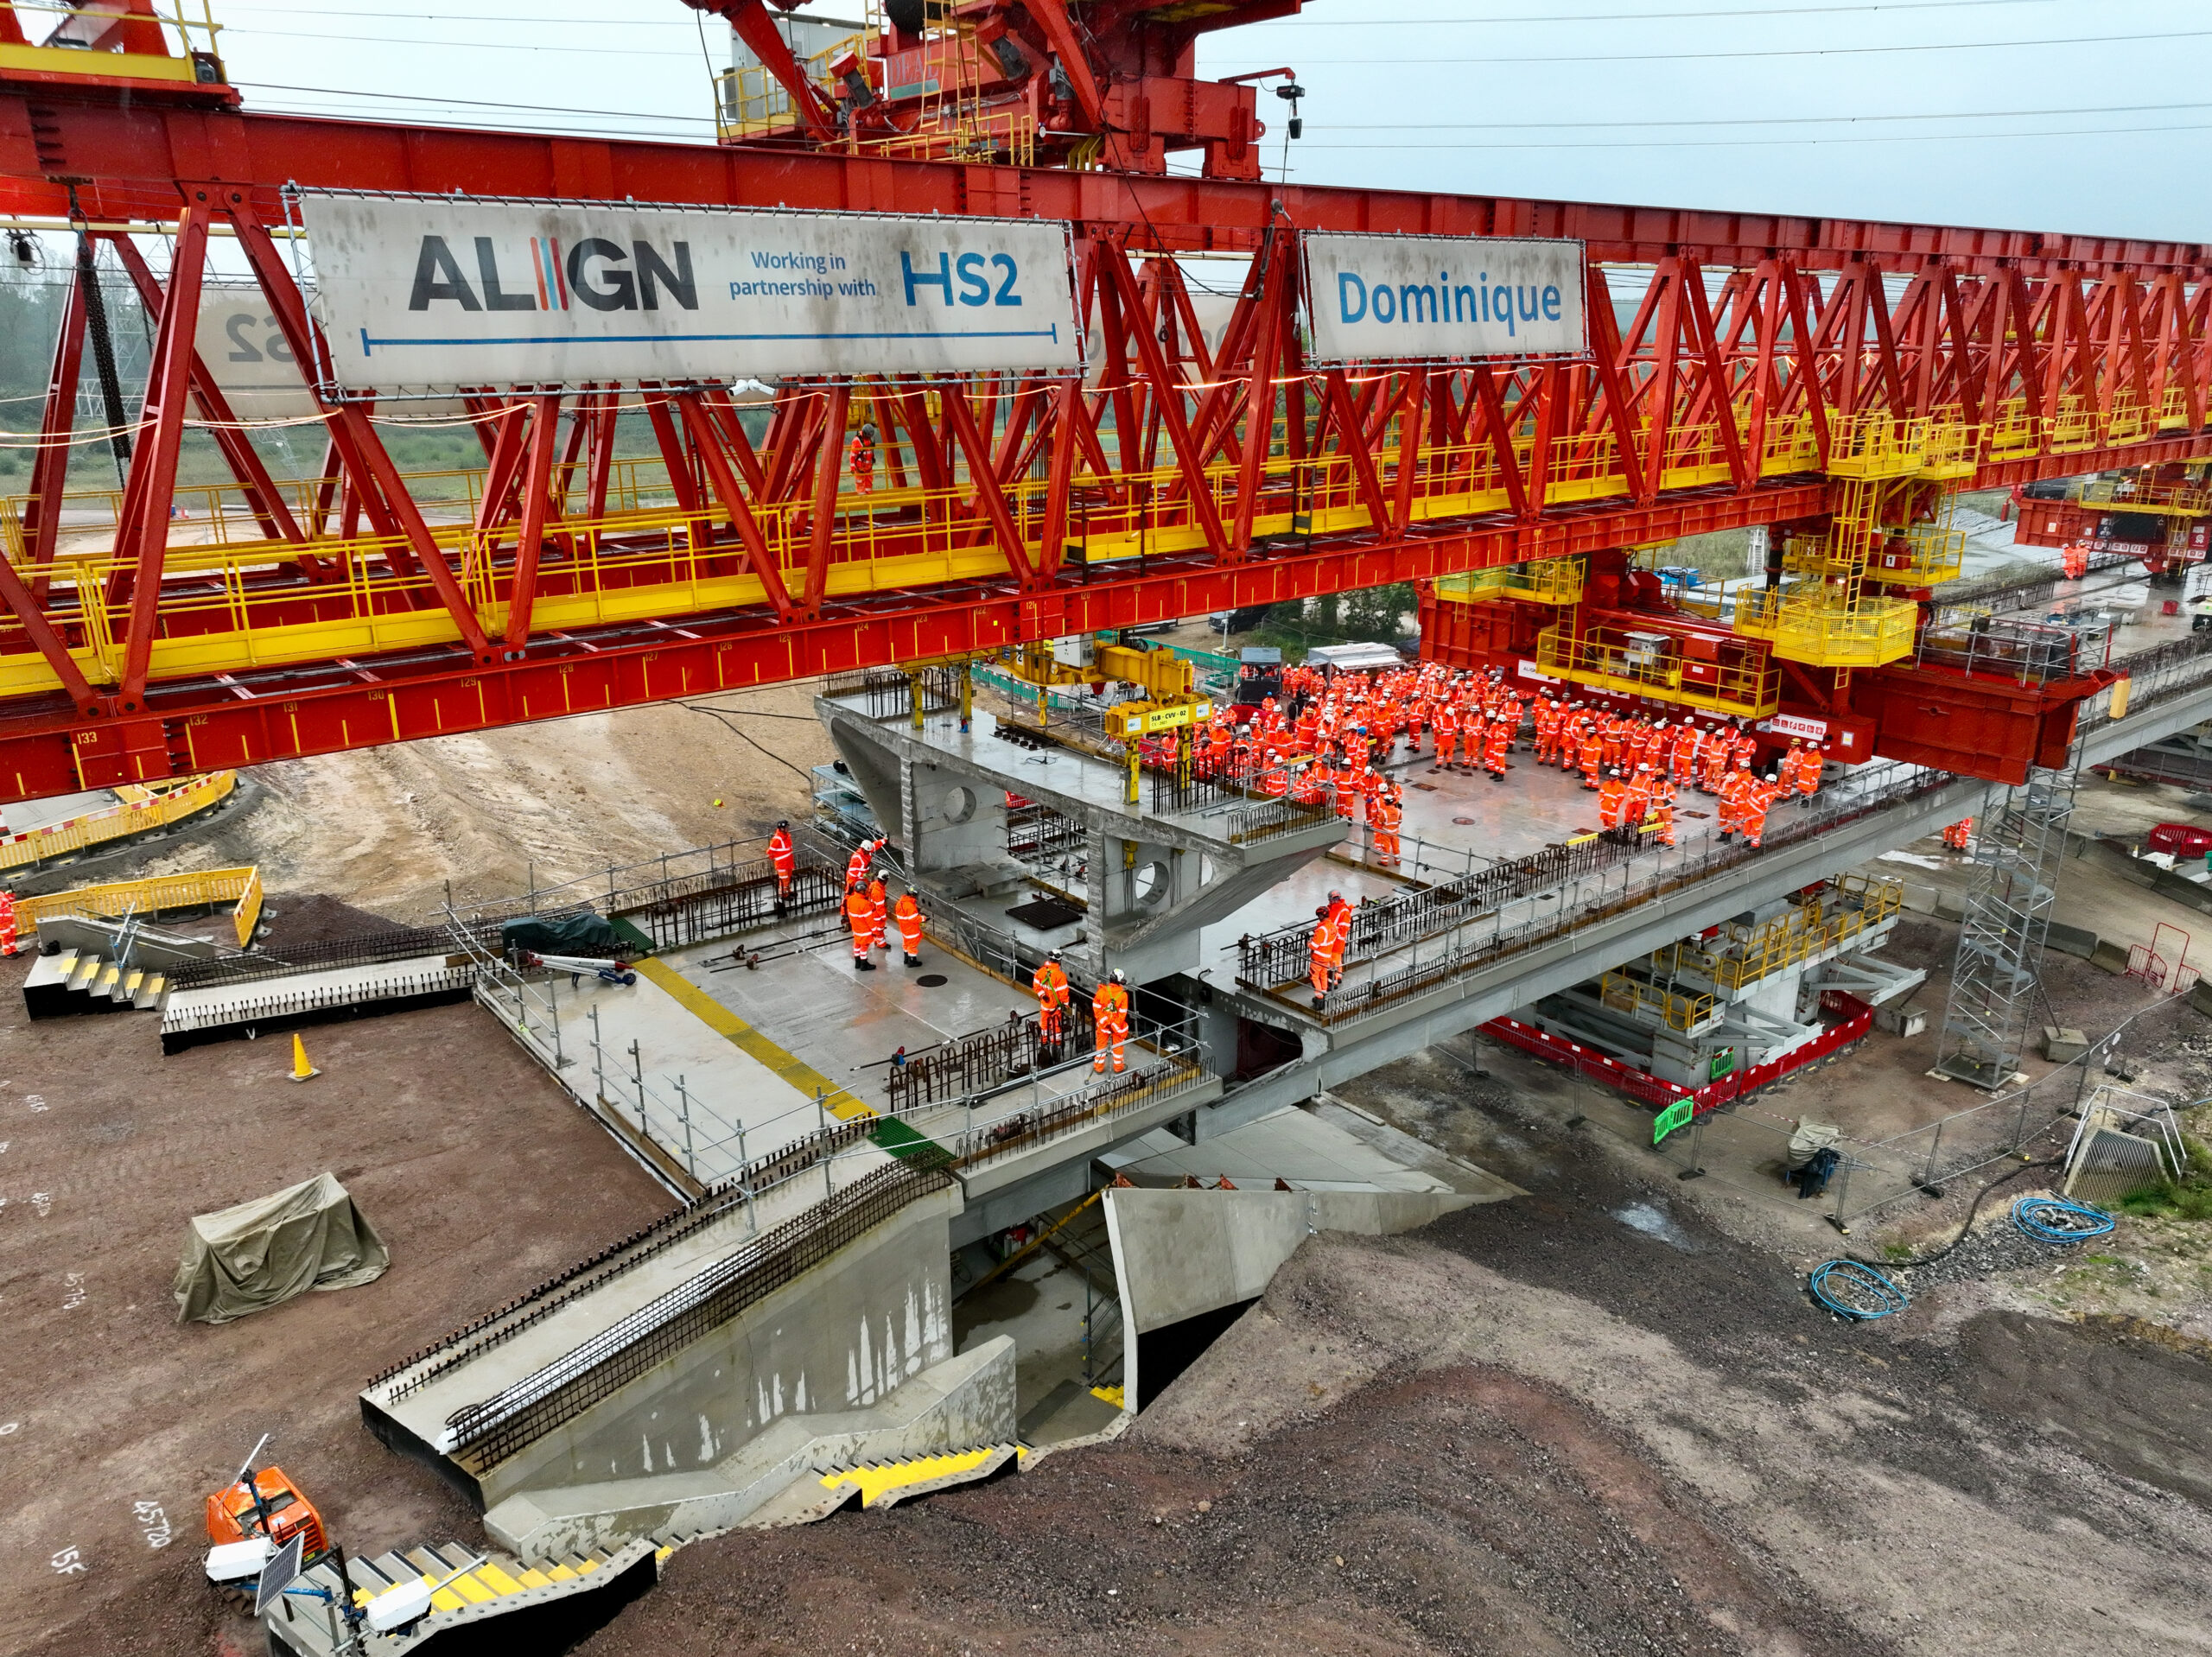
column 482, row 1435
column 240, row 888
column 736, row 1194
column 1274, row 959
column 151, row 809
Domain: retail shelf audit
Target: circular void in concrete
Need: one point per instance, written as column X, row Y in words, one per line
column 959, row 804
column 1148, row 883
column 932, row 979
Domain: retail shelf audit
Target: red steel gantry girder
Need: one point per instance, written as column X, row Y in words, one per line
column 160, row 630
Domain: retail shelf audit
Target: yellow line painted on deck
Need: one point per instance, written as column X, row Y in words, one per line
column 719, row 1018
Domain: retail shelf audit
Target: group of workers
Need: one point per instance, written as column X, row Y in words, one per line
column 870, row 921
column 1109, row 1012
column 865, row 909
column 1329, row 734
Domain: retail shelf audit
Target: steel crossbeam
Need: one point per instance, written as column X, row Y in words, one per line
column 1181, row 475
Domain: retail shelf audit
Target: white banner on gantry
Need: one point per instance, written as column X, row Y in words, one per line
column 1443, row 298
column 431, row 294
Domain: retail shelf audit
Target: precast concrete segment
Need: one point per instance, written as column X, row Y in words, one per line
column 1178, row 1253
column 961, row 1407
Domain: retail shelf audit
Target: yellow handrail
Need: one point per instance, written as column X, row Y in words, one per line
column 113, row 899
column 151, row 809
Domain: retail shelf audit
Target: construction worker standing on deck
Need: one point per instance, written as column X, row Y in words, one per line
column 1050, row 981
column 908, row 913
column 1321, row 951
column 1808, row 780
column 1390, row 810
column 1612, row 800
column 1340, row 938
column 1591, row 752
column 1110, row 1017
column 860, row 915
column 879, row 908
column 785, row 856
column 1758, row 800
column 856, row 865
column 1499, row 739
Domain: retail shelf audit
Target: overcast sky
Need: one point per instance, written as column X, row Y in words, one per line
column 2075, row 115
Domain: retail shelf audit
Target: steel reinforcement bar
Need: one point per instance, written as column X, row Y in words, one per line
column 1277, row 958
column 725, row 1196
column 480, row 1436
column 1356, row 1001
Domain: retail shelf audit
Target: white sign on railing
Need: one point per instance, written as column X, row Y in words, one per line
column 1443, row 298
column 430, row 293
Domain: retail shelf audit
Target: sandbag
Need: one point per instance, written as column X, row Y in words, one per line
column 261, row 1253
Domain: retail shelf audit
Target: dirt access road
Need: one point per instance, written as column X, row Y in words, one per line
column 1584, row 1421
column 115, row 1421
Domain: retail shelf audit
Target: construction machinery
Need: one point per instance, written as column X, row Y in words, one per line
column 1835, row 382
column 254, row 1517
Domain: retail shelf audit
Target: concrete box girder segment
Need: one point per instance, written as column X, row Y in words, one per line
column 1155, row 878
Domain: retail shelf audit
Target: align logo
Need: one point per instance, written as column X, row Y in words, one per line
column 600, row 275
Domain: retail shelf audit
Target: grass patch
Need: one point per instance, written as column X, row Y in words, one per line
column 2189, row 1198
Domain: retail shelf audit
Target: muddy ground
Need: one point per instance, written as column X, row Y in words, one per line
column 115, row 1421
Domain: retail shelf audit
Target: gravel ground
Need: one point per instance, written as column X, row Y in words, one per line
column 1587, row 1420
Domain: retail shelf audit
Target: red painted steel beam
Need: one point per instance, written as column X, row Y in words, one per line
column 253, row 718
column 133, row 154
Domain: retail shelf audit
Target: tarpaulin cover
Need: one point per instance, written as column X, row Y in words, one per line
column 565, row 934
column 261, row 1253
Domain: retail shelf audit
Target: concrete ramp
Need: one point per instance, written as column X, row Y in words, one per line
column 965, row 1404
column 1180, row 1253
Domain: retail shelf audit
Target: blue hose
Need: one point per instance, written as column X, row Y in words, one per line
column 2053, row 1220
column 1852, row 1289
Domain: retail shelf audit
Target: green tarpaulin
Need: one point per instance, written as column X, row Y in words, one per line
column 261, row 1253
column 566, row 935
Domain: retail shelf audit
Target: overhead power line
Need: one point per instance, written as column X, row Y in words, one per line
column 1796, row 51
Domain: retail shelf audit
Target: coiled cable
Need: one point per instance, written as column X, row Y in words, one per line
column 2055, row 1221
column 1852, row 1289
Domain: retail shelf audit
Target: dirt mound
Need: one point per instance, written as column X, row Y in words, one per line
column 290, row 920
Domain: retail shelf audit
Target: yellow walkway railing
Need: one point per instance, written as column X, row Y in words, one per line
column 209, row 889
column 141, row 808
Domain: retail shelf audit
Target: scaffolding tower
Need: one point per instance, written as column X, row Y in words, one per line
column 1997, row 965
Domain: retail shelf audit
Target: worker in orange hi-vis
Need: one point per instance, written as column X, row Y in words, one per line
column 860, row 915
column 1636, row 803
column 1050, row 981
column 2073, row 559
column 1109, row 1019
column 1663, row 812
column 1758, row 799
column 879, row 909
column 1390, row 812
column 1809, row 763
column 1592, row 755
column 1612, row 799
column 907, row 914
column 860, row 458
column 785, row 856
column 1957, row 836
column 1718, row 759
column 1340, row 913
column 1320, row 949
column 1735, row 795
column 1494, row 749
column 1447, row 736
column 856, row 865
